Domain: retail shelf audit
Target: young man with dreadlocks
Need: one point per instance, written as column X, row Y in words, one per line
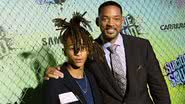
column 78, row 85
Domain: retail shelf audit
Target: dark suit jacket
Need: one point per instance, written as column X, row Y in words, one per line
column 142, row 69
column 53, row 87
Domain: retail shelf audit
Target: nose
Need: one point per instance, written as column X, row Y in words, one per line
column 110, row 22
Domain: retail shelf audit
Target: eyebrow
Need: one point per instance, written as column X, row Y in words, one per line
column 113, row 16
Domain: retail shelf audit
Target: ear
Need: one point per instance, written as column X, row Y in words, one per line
column 97, row 21
column 123, row 20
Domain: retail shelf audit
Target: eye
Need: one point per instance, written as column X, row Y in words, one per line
column 104, row 19
column 83, row 47
column 71, row 48
column 117, row 19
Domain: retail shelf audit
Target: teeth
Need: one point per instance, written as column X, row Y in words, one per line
column 110, row 30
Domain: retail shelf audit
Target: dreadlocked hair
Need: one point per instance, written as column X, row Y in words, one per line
column 80, row 37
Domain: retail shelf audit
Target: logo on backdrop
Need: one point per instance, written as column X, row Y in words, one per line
column 51, row 41
column 180, row 4
column 176, row 71
column 6, row 44
column 172, row 26
column 41, row 2
column 130, row 27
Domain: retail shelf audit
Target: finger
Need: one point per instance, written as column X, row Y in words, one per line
column 58, row 68
column 53, row 76
column 61, row 75
column 58, row 73
column 46, row 78
column 50, row 70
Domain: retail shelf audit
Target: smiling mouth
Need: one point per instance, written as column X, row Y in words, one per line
column 110, row 30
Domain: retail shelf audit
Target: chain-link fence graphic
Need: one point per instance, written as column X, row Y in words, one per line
column 29, row 42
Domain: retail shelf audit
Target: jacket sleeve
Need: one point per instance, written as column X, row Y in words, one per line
column 50, row 95
column 156, row 81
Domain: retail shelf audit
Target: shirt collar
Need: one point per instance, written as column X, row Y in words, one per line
column 119, row 41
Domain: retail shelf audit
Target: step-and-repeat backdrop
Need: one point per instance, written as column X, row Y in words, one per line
column 29, row 42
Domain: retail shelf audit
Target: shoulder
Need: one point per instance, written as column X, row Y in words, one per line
column 52, row 82
column 136, row 41
column 89, row 73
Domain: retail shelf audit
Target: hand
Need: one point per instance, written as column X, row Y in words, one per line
column 53, row 72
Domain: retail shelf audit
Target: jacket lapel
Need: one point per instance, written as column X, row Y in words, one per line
column 94, row 88
column 72, row 85
column 109, row 76
column 128, row 51
column 129, row 63
column 130, row 55
column 107, row 71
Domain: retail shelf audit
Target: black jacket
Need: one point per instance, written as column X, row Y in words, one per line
column 142, row 69
column 53, row 87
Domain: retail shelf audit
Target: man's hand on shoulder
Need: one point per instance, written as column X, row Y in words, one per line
column 53, row 72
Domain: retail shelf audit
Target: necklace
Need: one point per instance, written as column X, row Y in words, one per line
column 83, row 90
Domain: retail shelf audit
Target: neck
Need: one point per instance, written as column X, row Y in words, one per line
column 76, row 72
column 112, row 41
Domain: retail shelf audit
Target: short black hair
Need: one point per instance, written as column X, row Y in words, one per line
column 109, row 3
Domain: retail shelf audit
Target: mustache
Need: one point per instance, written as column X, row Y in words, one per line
column 110, row 27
